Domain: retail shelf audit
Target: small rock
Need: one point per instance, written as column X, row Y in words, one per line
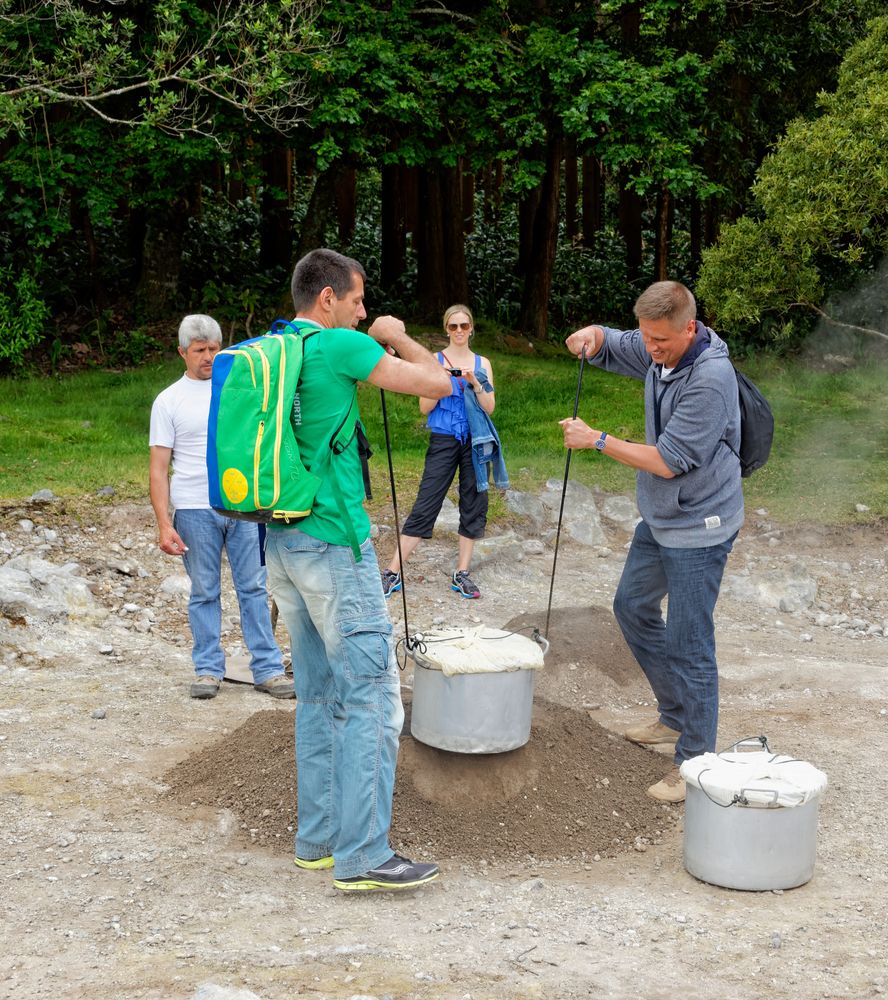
column 106, row 650
column 210, row 991
column 26, row 525
column 106, row 491
column 98, row 713
column 43, row 496
column 861, row 508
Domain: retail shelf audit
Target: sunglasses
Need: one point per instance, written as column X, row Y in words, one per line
column 452, row 327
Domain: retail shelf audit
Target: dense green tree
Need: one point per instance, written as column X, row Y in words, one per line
column 171, row 64
column 110, row 119
column 452, row 144
column 820, row 200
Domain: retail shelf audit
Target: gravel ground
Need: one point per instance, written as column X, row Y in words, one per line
column 115, row 887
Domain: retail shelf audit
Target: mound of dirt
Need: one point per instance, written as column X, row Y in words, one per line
column 584, row 636
column 574, row 791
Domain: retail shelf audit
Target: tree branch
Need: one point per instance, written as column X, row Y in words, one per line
column 836, row 322
column 243, row 60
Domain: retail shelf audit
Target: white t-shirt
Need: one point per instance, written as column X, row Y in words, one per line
column 179, row 419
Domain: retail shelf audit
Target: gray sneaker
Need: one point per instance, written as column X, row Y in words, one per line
column 463, row 584
column 396, row 873
column 205, row 686
column 391, row 583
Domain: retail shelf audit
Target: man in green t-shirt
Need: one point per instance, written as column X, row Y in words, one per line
column 348, row 712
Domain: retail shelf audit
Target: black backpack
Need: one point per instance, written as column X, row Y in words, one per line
column 756, row 426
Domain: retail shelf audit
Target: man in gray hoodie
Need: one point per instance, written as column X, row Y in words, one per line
column 691, row 504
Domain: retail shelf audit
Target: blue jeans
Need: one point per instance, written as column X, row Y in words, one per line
column 678, row 655
column 348, row 697
column 206, row 534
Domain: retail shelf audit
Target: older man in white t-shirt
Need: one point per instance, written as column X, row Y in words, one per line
column 198, row 533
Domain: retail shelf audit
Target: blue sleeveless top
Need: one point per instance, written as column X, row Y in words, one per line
column 449, row 414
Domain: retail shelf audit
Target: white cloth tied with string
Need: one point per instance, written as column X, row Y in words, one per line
column 479, row 650
column 759, row 777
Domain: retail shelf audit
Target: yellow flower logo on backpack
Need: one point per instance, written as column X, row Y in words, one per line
column 235, row 485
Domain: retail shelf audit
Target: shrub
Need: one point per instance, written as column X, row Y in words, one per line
column 24, row 317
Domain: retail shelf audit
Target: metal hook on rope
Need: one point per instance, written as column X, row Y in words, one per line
column 564, row 491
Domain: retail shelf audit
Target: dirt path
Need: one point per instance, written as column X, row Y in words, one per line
column 145, row 848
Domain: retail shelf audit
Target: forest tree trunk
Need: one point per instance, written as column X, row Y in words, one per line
column 571, row 190
column 157, row 290
column 593, row 200
column 664, row 233
column 346, row 204
column 393, row 248
column 630, row 229
column 428, row 241
column 275, row 218
column 319, row 211
column 456, row 280
column 534, row 316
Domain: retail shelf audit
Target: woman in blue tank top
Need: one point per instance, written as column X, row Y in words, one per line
column 450, row 449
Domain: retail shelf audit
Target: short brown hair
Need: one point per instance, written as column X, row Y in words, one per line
column 669, row 300
column 322, row 269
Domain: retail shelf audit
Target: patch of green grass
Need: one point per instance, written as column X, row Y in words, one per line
column 80, row 432
column 830, row 443
column 532, row 395
column 77, row 433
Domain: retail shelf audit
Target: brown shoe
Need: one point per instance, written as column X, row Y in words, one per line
column 671, row 788
column 653, row 732
column 279, row 686
column 205, row 686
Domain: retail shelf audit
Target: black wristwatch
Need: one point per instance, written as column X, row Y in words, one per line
column 600, row 443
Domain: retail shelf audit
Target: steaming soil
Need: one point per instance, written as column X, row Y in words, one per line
column 573, row 791
column 146, row 850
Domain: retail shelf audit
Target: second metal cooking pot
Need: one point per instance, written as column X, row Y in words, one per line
column 751, row 819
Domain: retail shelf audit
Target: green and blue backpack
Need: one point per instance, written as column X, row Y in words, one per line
column 254, row 466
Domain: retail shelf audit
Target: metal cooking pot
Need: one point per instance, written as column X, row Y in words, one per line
column 472, row 713
column 740, row 836
column 749, row 847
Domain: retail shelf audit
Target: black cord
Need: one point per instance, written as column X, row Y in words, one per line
column 564, row 491
column 420, row 642
column 388, row 448
column 409, row 646
column 739, row 799
column 535, row 634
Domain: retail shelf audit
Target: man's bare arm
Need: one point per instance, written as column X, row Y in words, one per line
column 415, row 371
column 646, row 457
column 168, row 538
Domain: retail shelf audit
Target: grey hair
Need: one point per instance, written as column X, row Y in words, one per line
column 669, row 300
column 198, row 327
column 320, row 269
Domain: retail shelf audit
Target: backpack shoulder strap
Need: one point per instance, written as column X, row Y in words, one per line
column 324, row 464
